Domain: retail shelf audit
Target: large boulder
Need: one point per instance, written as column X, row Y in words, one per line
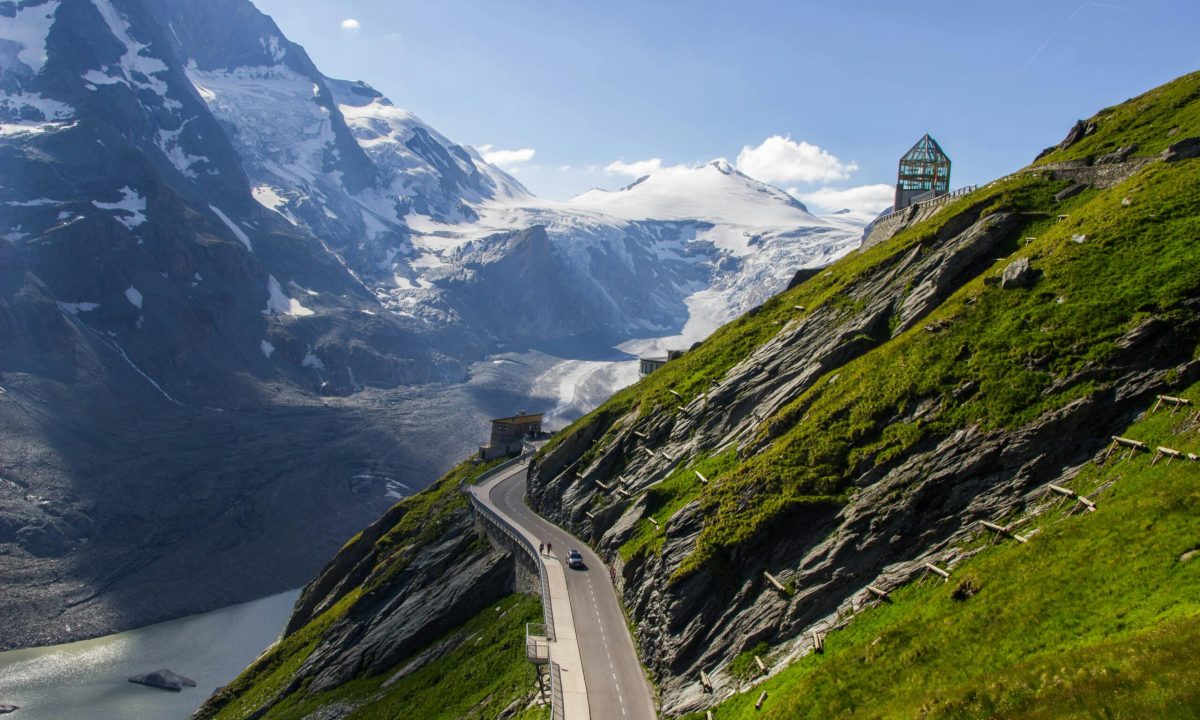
column 165, row 679
column 1017, row 274
column 1183, row 150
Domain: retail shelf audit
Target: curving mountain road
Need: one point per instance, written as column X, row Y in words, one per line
column 616, row 688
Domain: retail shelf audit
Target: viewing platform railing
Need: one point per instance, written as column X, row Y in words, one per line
column 929, row 201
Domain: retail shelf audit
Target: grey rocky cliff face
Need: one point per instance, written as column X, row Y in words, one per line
column 914, row 506
column 440, row 584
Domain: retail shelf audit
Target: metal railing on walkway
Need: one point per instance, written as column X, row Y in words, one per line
column 507, row 529
column 503, row 526
column 556, row 696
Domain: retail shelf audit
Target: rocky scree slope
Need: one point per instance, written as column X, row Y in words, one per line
column 865, row 420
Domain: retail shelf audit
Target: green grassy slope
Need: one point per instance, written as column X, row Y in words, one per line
column 482, row 676
column 1097, row 616
column 1151, row 121
column 995, row 358
column 485, row 674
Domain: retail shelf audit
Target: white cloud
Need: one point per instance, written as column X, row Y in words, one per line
column 351, row 24
column 506, row 158
column 634, row 169
column 864, row 202
column 781, row 159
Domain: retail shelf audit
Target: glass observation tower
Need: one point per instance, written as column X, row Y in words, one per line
column 924, row 173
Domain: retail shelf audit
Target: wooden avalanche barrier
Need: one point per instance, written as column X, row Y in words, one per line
column 1166, row 452
column 943, row 574
column 761, row 667
column 1002, row 530
column 706, row 681
column 1131, row 446
column 881, row 594
column 1091, row 506
column 778, row 585
column 818, row 642
column 702, row 478
column 1174, row 402
column 761, row 699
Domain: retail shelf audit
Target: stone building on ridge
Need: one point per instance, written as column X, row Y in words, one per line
column 508, row 433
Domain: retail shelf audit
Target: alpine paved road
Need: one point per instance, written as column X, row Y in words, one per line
column 616, row 687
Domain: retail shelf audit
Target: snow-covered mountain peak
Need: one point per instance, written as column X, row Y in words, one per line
column 399, row 141
column 714, row 192
column 722, row 166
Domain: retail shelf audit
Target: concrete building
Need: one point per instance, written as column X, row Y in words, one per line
column 924, row 173
column 647, row 365
column 508, row 433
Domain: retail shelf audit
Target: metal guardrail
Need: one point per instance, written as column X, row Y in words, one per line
column 556, row 697
column 485, row 512
column 504, row 527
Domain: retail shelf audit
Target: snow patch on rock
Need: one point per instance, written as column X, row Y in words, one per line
column 28, row 31
column 237, row 231
column 168, row 141
column 17, row 111
column 134, row 297
column 130, row 210
column 278, row 303
column 312, row 361
column 76, row 308
column 139, row 70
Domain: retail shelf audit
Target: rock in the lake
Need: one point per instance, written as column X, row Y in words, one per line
column 1017, row 274
column 165, row 679
column 6, row 709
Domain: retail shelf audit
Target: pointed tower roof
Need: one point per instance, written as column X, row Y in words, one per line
column 926, row 150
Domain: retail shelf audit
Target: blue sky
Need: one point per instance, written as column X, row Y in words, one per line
column 818, row 98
